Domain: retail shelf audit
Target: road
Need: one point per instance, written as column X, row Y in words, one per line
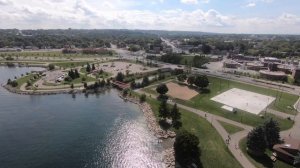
column 174, row 48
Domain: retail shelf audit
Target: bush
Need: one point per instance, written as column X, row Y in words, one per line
column 143, row 98
column 83, row 79
column 51, row 67
column 186, row 149
column 14, row 83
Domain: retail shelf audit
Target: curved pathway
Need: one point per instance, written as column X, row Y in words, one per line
column 235, row 138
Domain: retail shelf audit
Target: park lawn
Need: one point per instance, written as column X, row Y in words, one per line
column 79, row 80
column 264, row 161
column 203, row 102
column 186, row 59
column 230, row 129
column 50, row 54
column 24, row 80
column 70, row 64
column 218, row 85
column 103, row 75
column 211, row 144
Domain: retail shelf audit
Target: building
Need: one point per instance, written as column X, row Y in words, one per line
column 231, row 64
column 288, row 150
column 296, row 75
column 271, row 60
column 273, row 75
column 286, row 68
column 243, row 58
column 255, row 66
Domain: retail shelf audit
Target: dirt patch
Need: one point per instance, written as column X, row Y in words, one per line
column 180, row 91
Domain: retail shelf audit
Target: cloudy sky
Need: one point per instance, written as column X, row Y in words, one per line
column 226, row 16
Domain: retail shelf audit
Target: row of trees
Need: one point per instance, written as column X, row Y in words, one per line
column 90, row 68
column 97, row 85
column 72, row 74
column 263, row 136
column 200, row 81
column 12, row 83
column 186, row 144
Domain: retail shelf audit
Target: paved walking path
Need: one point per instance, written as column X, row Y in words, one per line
column 280, row 114
column 235, row 138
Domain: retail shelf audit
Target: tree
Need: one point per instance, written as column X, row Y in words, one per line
column 272, row 132
column 186, row 149
column 143, row 98
column 93, row 67
column 14, row 83
column 191, row 80
column 102, row 83
column 201, row 81
column 88, row 68
column 163, row 109
column 206, row 49
column 256, row 142
column 297, row 160
column 51, row 67
column 133, row 84
column 162, row 89
column 145, row 81
column 76, row 73
column 175, row 115
column 8, row 82
column 181, row 77
column 85, row 85
column 120, row 77
column 71, row 74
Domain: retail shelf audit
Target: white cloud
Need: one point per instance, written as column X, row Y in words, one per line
column 189, row 1
column 115, row 15
column 251, row 4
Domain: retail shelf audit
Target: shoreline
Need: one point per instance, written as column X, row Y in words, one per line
column 166, row 138
column 153, row 126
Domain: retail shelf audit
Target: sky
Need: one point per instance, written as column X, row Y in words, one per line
column 221, row 16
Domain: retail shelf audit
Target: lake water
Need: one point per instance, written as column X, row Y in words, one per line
column 65, row 131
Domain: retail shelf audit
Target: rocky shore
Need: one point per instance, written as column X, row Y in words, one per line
column 51, row 92
column 169, row 153
column 46, row 92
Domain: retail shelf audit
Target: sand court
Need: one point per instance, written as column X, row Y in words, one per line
column 244, row 100
column 180, row 91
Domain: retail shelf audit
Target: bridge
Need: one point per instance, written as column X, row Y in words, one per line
column 121, row 85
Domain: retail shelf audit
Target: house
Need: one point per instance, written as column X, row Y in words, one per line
column 288, row 150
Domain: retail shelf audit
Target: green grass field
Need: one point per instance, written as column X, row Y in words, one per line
column 70, row 64
column 24, row 79
column 264, row 161
column 79, row 80
column 231, row 129
column 211, row 144
column 49, row 54
column 217, row 86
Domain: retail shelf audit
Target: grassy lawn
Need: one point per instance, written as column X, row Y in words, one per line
column 79, row 80
column 24, row 79
column 217, row 86
column 50, row 54
column 70, row 64
column 264, row 161
column 231, row 129
column 211, row 143
column 103, row 75
column 187, row 59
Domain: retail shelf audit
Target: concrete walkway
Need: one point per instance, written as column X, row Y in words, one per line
column 280, row 114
